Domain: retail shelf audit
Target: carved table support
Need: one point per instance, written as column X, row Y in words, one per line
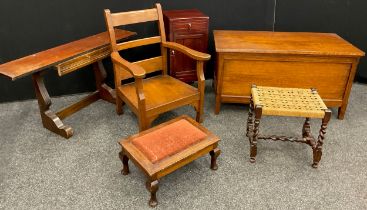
column 49, row 119
column 53, row 121
column 105, row 92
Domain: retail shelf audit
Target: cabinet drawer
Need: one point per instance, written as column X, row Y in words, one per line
column 190, row 25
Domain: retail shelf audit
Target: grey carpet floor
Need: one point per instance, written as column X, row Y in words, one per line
column 40, row 170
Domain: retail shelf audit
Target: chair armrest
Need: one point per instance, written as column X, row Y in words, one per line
column 135, row 70
column 187, row 51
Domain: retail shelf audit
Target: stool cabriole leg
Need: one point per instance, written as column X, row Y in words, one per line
column 250, row 119
column 152, row 187
column 214, row 155
column 253, row 140
column 125, row 163
column 317, row 150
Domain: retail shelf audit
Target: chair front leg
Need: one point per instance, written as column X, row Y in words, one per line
column 201, row 89
column 143, row 121
column 119, row 104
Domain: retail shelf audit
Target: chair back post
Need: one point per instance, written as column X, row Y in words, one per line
column 141, row 101
column 112, row 35
column 162, row 33
column 110, row 30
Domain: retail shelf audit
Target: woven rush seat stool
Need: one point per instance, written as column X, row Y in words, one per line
column 163, row 149
column 291, row 102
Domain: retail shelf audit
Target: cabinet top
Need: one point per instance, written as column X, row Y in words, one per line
column 184, row 14
column 306, row 43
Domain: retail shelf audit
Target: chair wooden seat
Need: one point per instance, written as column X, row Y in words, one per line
column 159, row 92
column 163, row 149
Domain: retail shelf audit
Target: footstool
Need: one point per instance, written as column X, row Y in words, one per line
column 165, row 148
column 292, row 102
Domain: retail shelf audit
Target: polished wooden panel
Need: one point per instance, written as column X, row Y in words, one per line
column 51, row 57
column 304, row 75
column 150, row 97
column 188, row 28
column 284, row 59
column 126, row 18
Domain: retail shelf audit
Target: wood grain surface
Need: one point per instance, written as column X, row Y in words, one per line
column 38, row 61
column 284, row 43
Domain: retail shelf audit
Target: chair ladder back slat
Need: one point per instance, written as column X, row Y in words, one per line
column 139, row 16
column 138, row 43
column 151, row 65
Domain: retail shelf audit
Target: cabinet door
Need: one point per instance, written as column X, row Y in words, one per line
column 181, row 66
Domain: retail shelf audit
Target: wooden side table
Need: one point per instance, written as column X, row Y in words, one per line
column 162, row 150
column 189, row 28
column 66, row 59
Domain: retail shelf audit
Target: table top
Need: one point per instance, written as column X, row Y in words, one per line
column 305, row 43
column 39, row 61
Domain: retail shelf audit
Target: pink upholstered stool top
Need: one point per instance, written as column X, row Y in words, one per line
column 168, row 140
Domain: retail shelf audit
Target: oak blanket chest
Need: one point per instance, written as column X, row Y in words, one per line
column 284, row 59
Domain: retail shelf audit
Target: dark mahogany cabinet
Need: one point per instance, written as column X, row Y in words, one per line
column 189, row 28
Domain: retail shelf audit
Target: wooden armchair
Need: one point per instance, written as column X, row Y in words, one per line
column 150, row 97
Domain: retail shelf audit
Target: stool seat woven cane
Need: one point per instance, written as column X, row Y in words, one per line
column 290, row 102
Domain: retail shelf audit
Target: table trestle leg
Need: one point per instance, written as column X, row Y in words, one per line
column 49, row 119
